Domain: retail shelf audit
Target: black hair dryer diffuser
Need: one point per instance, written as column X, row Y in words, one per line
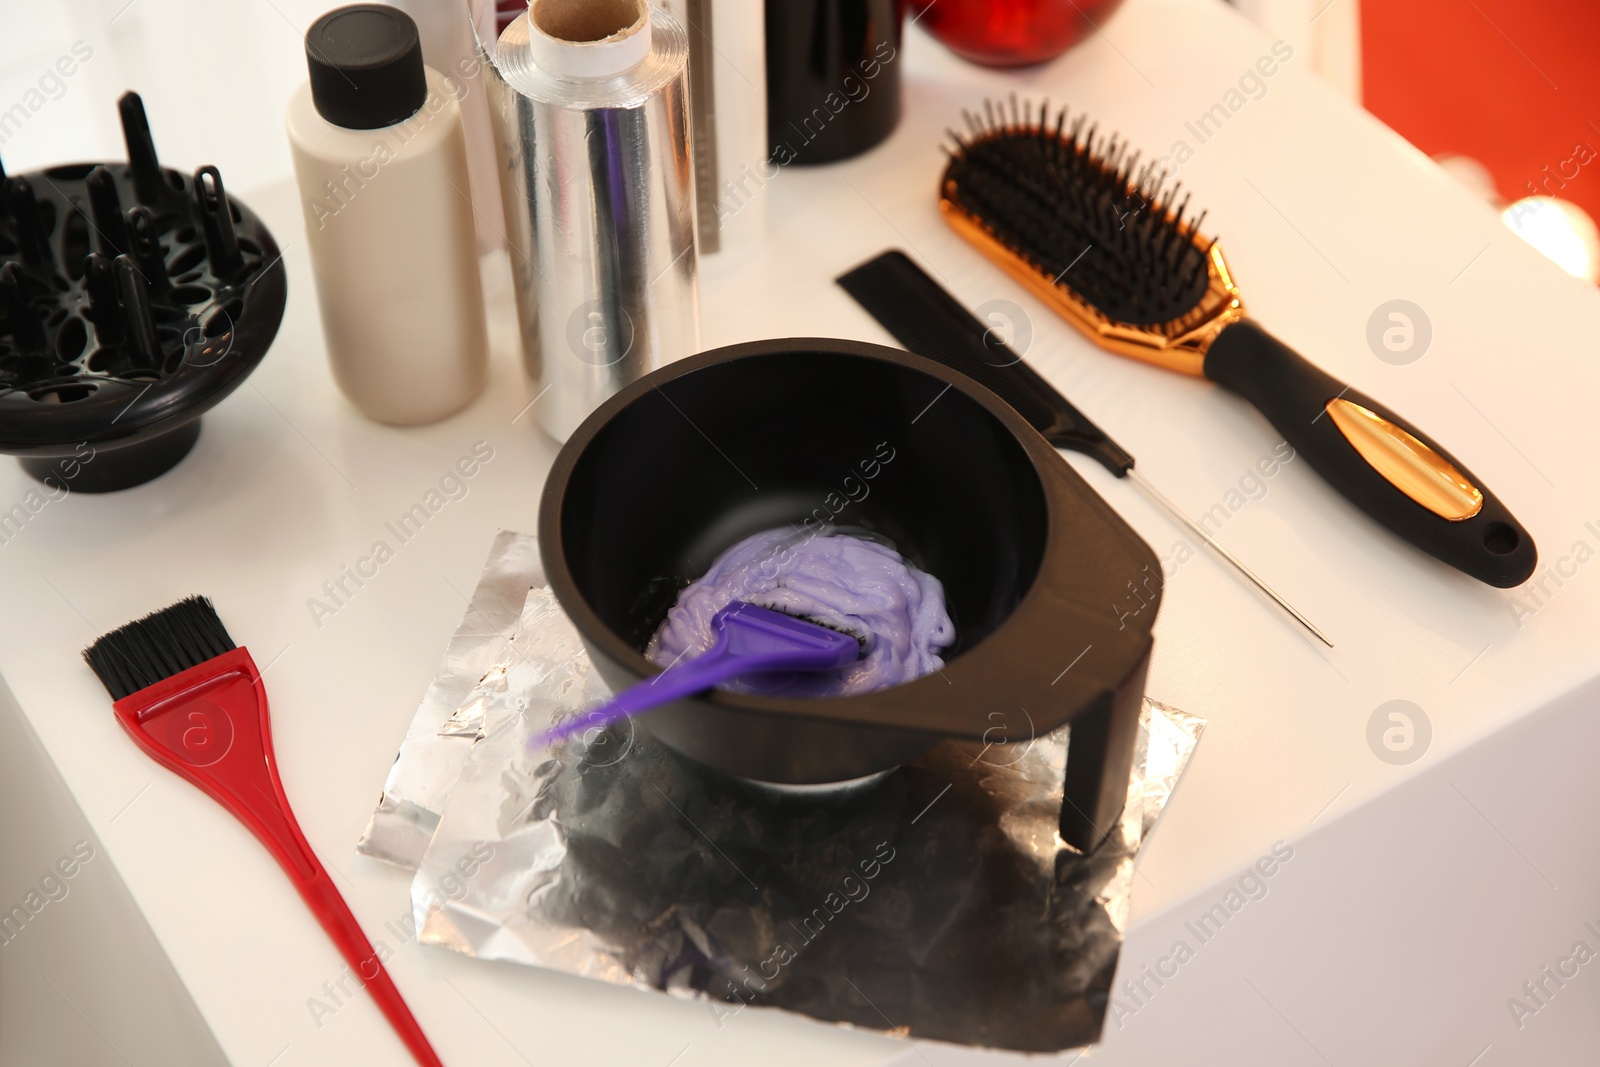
column 132, row 299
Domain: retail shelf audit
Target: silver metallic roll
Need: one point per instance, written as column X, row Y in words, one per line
column 590, row 100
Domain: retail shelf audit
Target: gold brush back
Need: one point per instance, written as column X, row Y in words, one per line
column 1179, row 345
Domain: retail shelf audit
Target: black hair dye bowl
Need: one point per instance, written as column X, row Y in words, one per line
column 1037, row 570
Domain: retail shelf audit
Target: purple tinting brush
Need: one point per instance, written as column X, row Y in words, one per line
column 750, row 640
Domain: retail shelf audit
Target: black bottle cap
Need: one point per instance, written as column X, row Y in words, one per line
column 366, row 66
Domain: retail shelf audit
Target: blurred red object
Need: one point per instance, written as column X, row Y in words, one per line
column 1513, row 83
column 1011, row 33
column 506, row 12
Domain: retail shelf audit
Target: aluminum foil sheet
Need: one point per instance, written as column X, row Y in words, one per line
column 937, row 901
column 598, row 191
column 447, row 724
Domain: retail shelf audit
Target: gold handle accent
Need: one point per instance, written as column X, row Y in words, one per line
column 1406, row 463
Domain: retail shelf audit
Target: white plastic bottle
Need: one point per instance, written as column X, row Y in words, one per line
column 380, row 159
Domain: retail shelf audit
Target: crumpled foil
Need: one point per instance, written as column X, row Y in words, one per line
column 936, row 901
column 446, row 725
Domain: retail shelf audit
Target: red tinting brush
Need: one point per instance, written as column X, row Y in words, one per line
column 194, row 702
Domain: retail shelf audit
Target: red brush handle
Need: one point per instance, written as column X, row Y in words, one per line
column 209, row 724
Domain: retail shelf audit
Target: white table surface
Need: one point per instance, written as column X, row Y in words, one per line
column 1420, row 897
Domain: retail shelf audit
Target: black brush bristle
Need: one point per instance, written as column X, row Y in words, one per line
column 1078, row 207
column 861, row 639
column 158, row 646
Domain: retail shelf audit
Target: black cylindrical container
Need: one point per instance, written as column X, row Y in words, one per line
column 833, row 77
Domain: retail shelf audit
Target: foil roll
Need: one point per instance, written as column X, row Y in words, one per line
column 598, row 191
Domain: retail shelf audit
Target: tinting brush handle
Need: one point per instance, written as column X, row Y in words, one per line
column 750, row 640
column 1383, row 464
column 209, row 724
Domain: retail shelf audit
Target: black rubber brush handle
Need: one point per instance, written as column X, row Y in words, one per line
column 1490, row 545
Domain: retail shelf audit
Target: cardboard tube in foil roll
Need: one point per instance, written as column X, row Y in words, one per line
column 590, row 101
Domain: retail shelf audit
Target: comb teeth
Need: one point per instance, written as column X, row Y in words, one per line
column 158, row 646
column 1080, row 207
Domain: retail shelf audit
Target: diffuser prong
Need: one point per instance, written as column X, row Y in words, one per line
column 137, row 318
column 148, row 184
column 32, row 241
column 146, row 249
column 101, row 283
column 216, row 218
column 105, row 209
column 26, row 329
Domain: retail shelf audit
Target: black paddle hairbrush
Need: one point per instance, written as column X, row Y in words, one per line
column 1074, row 216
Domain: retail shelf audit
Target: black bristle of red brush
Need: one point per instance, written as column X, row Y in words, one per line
column 1078, row 207
column 158, row 646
